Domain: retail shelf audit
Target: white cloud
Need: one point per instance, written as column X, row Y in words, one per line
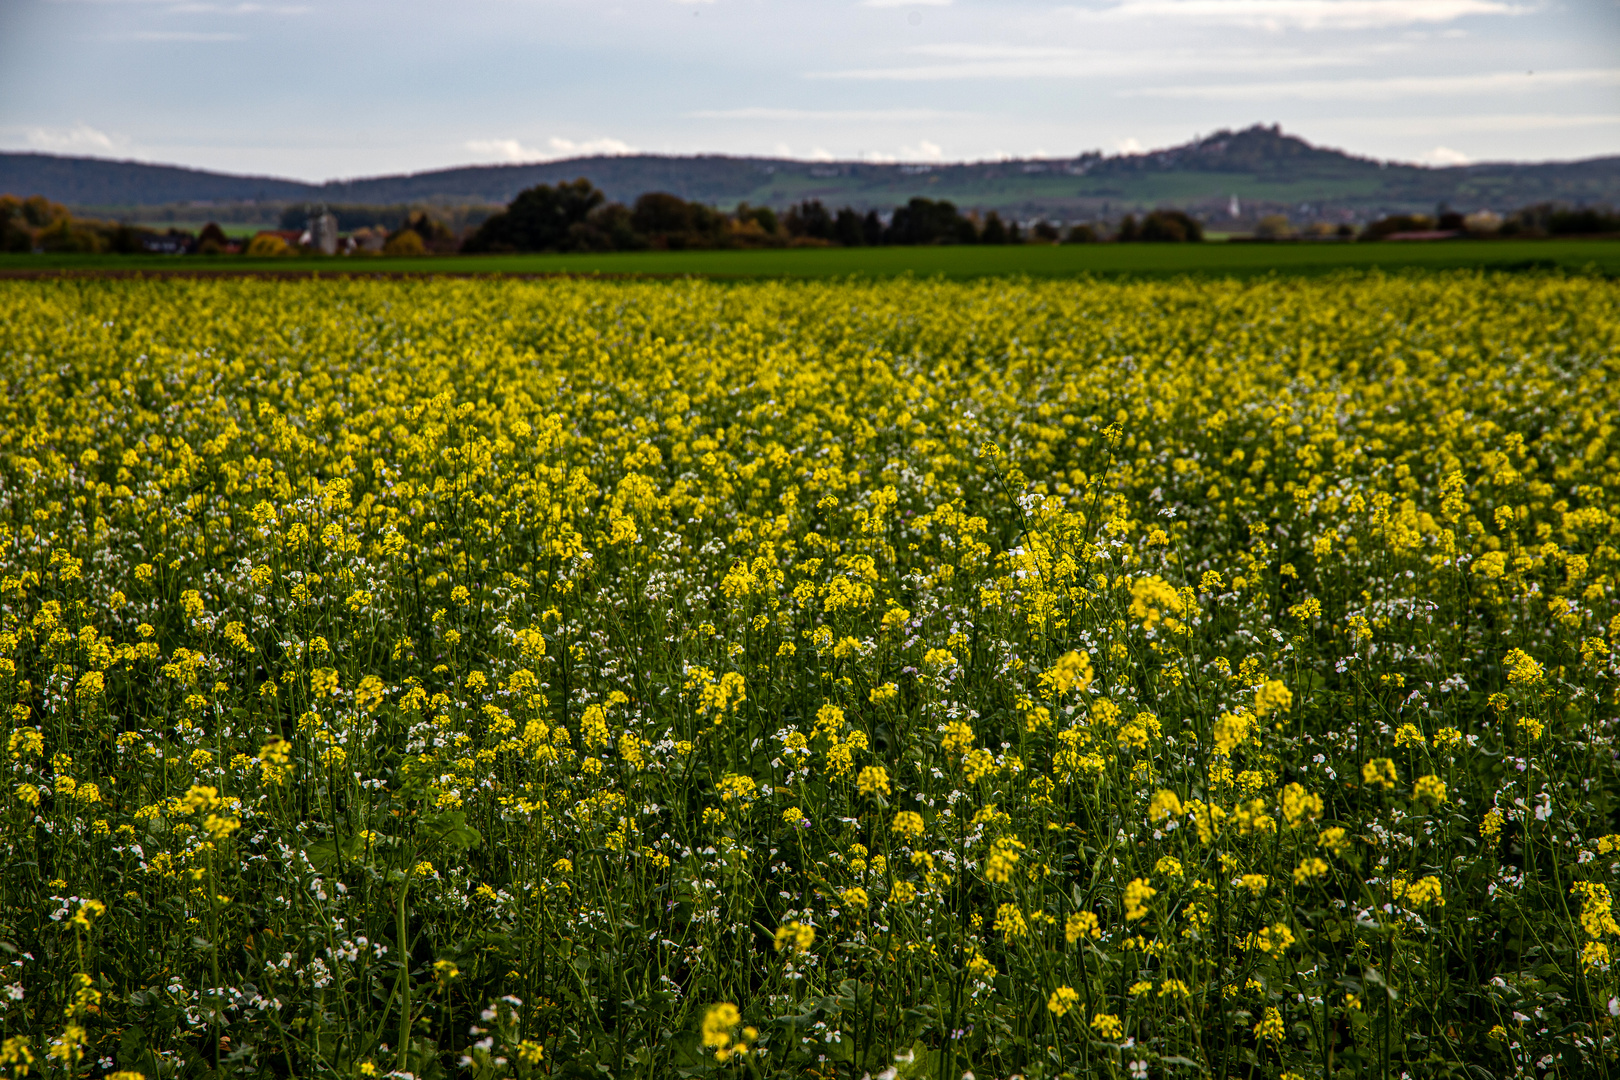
column 820, row 153
column 190, row 36
column 1397, row 87
column 848, row 116
column 923, row 151
column 80, row 139
column 505, row 149
column 513, row 150
column 1129, row 146
column 905, row 3
column 1444, row 155
column 590, row 147
column 1304, row 14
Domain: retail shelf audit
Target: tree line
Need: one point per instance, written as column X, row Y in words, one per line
column 577, row 217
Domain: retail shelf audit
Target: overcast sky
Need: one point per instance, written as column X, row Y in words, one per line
column 317, row 89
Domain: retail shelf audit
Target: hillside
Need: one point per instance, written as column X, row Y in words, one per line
column 81, row 181
column 1265, row 168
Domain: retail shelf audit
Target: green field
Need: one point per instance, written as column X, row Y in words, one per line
column 1241, row 260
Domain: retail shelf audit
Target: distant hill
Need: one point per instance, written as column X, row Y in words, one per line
column 81, row 181
column 1265, row 168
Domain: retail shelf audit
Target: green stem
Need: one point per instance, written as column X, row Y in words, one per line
column 404, row 983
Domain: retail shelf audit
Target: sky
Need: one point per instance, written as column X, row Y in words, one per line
column 324, row 89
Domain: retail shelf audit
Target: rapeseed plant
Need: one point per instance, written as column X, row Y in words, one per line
column 1052, row 679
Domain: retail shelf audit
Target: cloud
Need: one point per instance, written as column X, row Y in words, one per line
column 80, row 139
column 1444, row 155
column 848, row 116
column 589, row 147
column 923, row 152
column 981, row 61
column 820, row 153
column 513, row 150
column 1396, row 87
column 904, row 3
column 1303, row 14
column 506, row 149
column 1129, row 146
column 190, row 36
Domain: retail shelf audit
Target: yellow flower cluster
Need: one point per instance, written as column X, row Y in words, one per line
column 881, row 661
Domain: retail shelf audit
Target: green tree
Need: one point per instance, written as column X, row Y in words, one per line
column 809, row 219
column 607, row 228
column 1171, row 226
column 763, row 216
column 1273, row 227
column 406, row 242
column 872, row 229
column 435, row 235
column 669, row 221
column 994, row 231
column 539, row 219
column 1397, row 223
column 15, row 235
column 212, row 240
column 39, row 212
column 925, row 221
column 848, row 228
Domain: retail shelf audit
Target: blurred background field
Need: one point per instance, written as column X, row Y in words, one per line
column 1068, row 260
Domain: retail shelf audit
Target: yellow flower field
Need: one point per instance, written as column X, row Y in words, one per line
column 612, row 679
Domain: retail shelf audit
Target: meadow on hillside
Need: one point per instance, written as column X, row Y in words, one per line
column 501, row 678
